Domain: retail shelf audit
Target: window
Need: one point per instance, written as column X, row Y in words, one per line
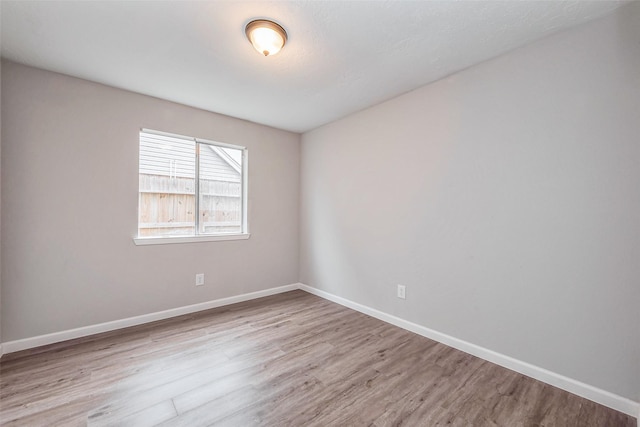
column 190, row 188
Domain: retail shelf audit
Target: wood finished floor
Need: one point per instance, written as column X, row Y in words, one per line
column 288, row 360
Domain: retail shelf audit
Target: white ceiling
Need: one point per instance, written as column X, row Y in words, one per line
column 341, row 57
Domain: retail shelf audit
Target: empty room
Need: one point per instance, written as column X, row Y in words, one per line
column 320, row 213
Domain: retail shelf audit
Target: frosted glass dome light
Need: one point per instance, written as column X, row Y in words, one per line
column 267, row 37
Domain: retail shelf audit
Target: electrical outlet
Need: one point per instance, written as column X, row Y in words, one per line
column 402, row 291
column 199, row 279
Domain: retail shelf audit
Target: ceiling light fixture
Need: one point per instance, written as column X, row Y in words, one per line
column 267, row 37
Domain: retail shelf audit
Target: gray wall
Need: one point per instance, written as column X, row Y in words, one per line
column 505, row 197
column 69, row 207
column 0, row 212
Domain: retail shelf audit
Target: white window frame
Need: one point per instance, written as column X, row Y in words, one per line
column 197, row 238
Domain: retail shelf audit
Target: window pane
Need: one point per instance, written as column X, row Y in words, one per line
column 167, row 186
column 220, row 204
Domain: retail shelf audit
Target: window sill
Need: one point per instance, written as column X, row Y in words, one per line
column 141, row 241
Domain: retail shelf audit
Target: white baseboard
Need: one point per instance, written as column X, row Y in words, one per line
column 587, row 391
column 27, row 343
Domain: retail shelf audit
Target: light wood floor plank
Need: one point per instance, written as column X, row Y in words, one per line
column 287, row 360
